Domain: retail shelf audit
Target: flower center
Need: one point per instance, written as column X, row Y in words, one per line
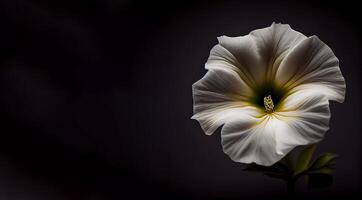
column 267, row 97
column 268, row 104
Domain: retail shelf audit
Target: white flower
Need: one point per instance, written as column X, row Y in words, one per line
column 270, row 90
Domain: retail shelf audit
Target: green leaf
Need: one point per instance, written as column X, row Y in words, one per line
column 324, row 160
column 304, row 159
column 320, row 172
column 320, row 180
column 323, row 170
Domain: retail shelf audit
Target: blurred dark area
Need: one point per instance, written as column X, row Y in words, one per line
column 95, row 98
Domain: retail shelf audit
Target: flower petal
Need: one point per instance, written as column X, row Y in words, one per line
column 256, row 56
column 306, row 115
column 248, row 139
column 238, row 54
column 217, row 97
column 303, row 120
column 273, row 44
column 312, row 64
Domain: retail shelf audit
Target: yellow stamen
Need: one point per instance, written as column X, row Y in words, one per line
column 268, row 104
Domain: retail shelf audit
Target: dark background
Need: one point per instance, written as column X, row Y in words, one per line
column 96, row 98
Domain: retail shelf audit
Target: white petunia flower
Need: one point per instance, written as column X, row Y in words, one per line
column 270, row 90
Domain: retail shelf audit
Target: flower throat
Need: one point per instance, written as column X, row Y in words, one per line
column 267, row 97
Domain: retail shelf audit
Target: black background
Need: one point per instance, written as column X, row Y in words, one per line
column 96, row 97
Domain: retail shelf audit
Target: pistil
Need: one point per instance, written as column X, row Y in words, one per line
column 268, row 104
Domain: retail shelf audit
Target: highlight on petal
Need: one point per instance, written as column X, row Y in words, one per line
column 303, row 120
column 306, row 115
column 217, row 97
column 312, row 64
column 248, row 139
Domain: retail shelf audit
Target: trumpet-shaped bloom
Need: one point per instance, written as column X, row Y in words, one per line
column 269, row 91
